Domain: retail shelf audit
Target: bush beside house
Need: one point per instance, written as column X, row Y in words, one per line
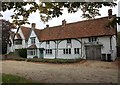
column 22, row 53
column 53, row 60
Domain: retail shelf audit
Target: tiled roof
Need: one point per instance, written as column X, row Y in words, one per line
column 38, row 33
column 32, row 46
column 87, row 28
column 26, row 32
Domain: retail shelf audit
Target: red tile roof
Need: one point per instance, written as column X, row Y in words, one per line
column 87, row 28
column 32, row 46
column 26, row 32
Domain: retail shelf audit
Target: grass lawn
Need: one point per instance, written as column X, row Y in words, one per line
column 8, row 78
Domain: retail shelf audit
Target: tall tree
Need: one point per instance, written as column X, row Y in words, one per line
column 49, row 10
column 6, row 29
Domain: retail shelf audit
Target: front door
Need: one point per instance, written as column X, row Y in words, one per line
column 41, row 53
column 93, row 52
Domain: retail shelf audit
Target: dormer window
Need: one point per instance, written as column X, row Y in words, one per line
column 92, row 39
column 32, row 40
column 47, row 42
column 68, row 41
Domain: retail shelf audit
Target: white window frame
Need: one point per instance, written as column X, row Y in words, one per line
column 32, row 40
column 32, row 52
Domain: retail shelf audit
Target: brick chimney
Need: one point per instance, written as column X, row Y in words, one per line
column 110, row 13
column 63, row 22
column 33, row 25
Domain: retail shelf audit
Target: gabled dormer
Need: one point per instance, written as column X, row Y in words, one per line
column 33, row 38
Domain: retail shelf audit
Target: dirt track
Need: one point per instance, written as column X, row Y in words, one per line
column 82, row 72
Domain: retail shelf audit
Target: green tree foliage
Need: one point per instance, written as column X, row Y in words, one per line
column 6, row 29
column 22, row 53
column 49, row 10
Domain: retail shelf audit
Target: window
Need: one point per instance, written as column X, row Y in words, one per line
column 18, row 42
column 16, row 50
column 68, row 40
column 47, row 42
column 76, row 50
column 48, row 51
column 67, row 51
column 92, row 39
column 32, row 40
column 31, row 52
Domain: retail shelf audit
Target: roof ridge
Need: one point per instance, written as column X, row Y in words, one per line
column 78, row 22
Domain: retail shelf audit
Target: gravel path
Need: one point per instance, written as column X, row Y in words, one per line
column 82, row 72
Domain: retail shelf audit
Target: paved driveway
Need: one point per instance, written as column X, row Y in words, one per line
column 82, row 72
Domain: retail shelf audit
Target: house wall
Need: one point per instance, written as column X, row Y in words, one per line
column 52, row 46
column 23, row 41
column 84, row 41
column 37, row 43
column 63, row 45
column 114, row 45
column 18, row 46
column 57, row 47
column 36, row 39
column 106, row 44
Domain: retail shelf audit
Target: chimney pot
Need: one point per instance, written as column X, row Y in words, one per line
column 110, row 13
column 47, row 26
column 33, row 25
column 64, row 22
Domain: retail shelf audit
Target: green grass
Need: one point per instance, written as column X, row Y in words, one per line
column 8, row 78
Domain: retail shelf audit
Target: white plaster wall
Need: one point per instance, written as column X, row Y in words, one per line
column 114, row 52
column 17, row 46
column 105, row 41
column 106, row 44
column 84, row 40
column 23, row 40
column 36, row 39
column 37, row 43
column 63, row 44
column 49, row 46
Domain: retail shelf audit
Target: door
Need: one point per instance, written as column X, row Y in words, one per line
column 41, row 53
column 93, row 52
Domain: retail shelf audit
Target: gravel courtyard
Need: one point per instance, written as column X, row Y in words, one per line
column 88, row 71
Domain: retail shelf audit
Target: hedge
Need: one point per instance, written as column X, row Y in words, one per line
column 53, row 60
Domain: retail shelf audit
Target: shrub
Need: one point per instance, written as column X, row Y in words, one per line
column 35, row 57
column 22, row 53
column 53, row 60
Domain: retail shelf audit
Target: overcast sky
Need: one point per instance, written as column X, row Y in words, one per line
column 74, row 17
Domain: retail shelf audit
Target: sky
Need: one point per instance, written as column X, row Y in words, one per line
column 69, row 17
